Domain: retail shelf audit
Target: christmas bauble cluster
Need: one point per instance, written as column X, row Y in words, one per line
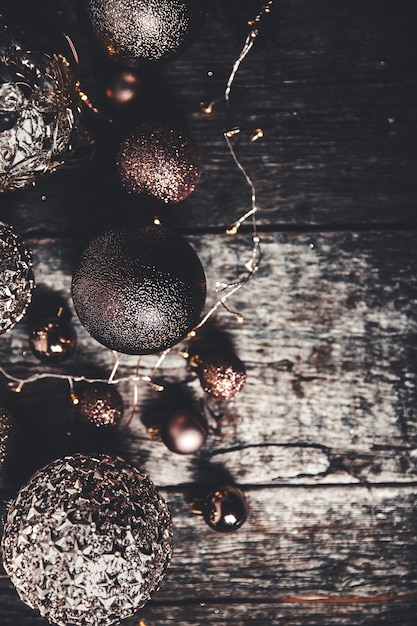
column 88, row 539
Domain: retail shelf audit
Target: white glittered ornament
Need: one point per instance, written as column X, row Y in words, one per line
column 16, row 278
column 87, row 540
column 38, row 109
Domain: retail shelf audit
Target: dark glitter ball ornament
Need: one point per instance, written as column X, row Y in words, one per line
column 225, row 509
column 6, row 435
column 160, row 162
column 221, row 375
column 183, row 432
column 132, row 31
column 139, row 290
column 38, row 109
column 101, row 405
column 87, row 540
column 16, row 278
column 53, row 340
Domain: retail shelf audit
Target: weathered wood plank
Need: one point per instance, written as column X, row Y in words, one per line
column 333, row 90
column 293, row 613
column 328, row 340
column 352, row 545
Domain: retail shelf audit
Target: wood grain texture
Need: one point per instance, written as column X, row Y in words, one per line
column 332, row 86
column 323, row 437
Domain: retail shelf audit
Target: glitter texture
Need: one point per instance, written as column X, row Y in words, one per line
column 16, row 278
column 134, row 30
column 159, row 161
column 139, row 290
column 101, row 404
column 37, row 113
column 223, row 376
column 6, row 435
column 87, row 540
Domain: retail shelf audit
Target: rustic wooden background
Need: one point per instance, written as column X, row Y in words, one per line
column 323, row 438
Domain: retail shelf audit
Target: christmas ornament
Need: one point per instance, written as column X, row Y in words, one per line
column 183, row 432
column 139, row 290
column 225, row 509
column 6, row 435
column 100, row 404
column 37, row 109
column 222, row 375
column 87, row 540
column 132, row 31
column 123, row 86
column 52, row 340
column 159, row 161
column 16, row 278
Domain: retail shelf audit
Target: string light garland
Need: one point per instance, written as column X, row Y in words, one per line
column 227, row 290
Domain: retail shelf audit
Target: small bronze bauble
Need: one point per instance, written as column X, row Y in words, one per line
column 100, row 404
column 53, row 340
column 159, row 161
column 183, row 432
column 222, row 375
column 225, row 509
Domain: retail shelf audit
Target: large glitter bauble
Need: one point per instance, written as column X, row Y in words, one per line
column 6, row 435
column 16, row 278
column 159, row 161
column 133, row 31
column 37, row 109
column 100, row 404
column 87, row 540
column 139, row 290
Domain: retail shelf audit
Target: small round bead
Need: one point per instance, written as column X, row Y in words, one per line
column 225, row 509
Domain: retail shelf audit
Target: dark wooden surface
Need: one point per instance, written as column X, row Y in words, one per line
column 323, row 438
